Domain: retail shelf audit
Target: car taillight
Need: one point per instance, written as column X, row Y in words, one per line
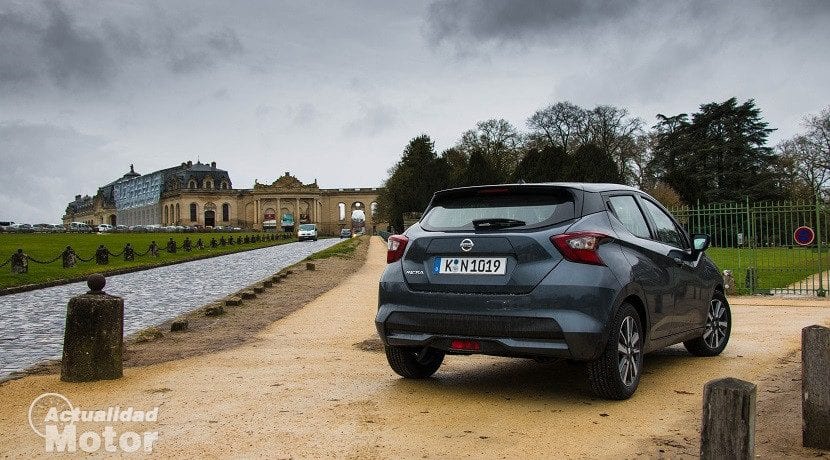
column 395, row 247
column 580, row 247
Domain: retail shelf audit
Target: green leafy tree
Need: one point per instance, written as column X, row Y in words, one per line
column 481, row 172
column 412, row 181
column 719, row 154
column 550, row 164
column 593, row 164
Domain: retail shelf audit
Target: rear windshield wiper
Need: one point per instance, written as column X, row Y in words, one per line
column 497, row 223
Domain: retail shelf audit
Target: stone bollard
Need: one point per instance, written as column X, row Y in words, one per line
column 93, row 343
column 815, row 383
column 68, row 257
column 310, row 266
column 728, row 425
column 20, row 262
column 102, row 255
column 729, row 282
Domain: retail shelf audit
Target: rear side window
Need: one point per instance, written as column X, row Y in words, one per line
column 481, row 210
column 667, row 232
column 629, row 214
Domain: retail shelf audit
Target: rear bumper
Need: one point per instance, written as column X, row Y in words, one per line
column 521, row 333
column 561, row 321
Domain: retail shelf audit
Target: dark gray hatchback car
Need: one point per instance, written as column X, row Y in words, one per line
column 598, row 273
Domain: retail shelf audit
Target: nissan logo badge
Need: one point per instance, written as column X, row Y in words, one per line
column 467, row 245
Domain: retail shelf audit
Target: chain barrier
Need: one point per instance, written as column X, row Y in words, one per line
column 231, row 241
column 84, row 260
column 40, row 261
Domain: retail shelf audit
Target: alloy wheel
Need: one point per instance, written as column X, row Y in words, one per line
column 716, row 324
column 628, row 351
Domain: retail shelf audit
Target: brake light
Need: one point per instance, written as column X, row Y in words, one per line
column 493, row 191
column 580, row 247
column 395, row 247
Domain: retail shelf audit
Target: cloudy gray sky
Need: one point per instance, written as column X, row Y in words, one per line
column 335, row 90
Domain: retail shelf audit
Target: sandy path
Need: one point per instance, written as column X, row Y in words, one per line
column 303, row 390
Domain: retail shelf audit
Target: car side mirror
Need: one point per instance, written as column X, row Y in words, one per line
column 700, row 242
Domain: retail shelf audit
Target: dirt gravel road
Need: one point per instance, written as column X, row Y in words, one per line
column 303, row 389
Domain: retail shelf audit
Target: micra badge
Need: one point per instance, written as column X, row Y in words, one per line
column 414, row 272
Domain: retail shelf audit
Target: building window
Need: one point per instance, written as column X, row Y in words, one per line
column 193, row 212
column 341, row 211
column 224, row 185
column 192, row 183
column 178, row 214
column 208, row 183
column 226, row 212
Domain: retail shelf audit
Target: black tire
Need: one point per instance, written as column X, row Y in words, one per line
column 718, row 329
column 406, row 363
column 616, row 373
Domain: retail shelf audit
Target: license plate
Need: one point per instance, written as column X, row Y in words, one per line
column 470, row 265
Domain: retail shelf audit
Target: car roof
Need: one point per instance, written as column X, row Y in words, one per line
column 584, row 186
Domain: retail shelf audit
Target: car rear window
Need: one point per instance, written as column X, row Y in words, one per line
column 308, row 227
column 513, row 209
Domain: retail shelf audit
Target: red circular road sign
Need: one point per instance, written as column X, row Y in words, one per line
column 804, row 235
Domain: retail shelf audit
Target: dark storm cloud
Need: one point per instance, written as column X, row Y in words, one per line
column 73, row 56
column 44, row 166
column 44, row 42
column 189, row 61
column 126, row 41
column 225, row 42
column 18, row 42
column 474, row 22
column 511, row 20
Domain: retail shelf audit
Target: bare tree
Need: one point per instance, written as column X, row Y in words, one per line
column 808, row 160
column 497, row 140
column 559, row 125
column 818, row 134
column 612, row 130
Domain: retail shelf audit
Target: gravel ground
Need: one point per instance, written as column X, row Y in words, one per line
column 312, row 385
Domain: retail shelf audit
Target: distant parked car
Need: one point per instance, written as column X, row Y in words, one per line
column 5, row 225
column 121, row 228
column 79, row 227
column 345, row 233
column 42, row 228
column 307, row 232
column 104, row 228
column 598, row 273
column 22, row 228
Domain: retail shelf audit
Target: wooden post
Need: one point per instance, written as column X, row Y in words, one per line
column 93, row 343
column 815, row 385
column 728, row 425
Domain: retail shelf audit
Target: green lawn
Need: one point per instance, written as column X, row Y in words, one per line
column 777, row 268
column 342, row 249
column 45, row 247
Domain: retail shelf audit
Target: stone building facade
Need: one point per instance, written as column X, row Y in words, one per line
column 196, row 194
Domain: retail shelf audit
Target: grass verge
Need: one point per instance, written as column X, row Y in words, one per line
column 45, row 247
column 343, row 249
